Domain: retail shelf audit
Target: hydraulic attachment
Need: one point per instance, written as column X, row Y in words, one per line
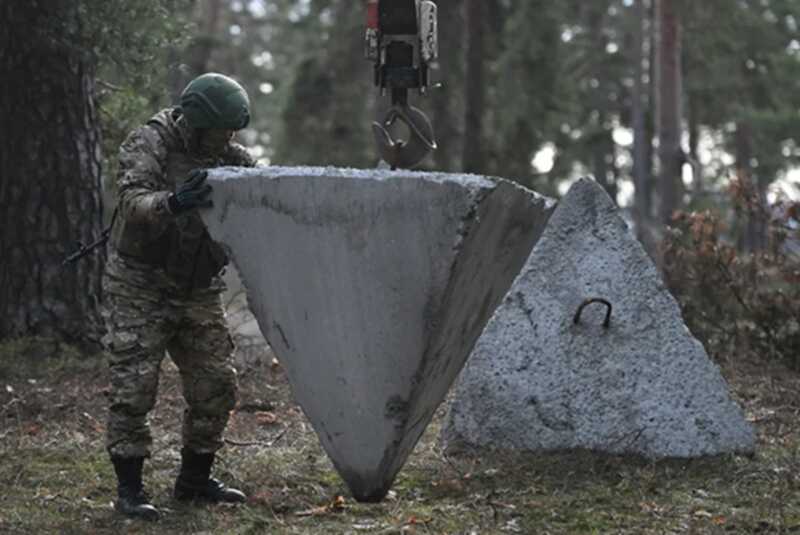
column 402, row 40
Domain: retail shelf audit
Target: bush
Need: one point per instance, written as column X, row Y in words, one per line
column 738, row 302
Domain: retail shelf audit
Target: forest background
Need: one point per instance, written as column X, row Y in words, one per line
column 687, row 112
column 670, row 105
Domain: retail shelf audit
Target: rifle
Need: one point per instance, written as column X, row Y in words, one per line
column 84, row 250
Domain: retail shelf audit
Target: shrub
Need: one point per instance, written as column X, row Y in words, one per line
column 732, row 300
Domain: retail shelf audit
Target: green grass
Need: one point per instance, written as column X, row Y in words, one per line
column 55, row 476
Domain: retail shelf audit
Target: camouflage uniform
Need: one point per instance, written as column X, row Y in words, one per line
column 163, row 292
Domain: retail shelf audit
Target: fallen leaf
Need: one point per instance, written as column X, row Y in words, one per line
column 337, row 505
column 95, row 425
column 415, row 521
column 266, row 418
column 449, row 485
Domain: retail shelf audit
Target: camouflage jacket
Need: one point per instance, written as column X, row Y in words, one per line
column 153, row 160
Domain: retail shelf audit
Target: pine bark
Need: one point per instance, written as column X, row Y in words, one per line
column 641, row 141
column 669, row 109
column 50, row 187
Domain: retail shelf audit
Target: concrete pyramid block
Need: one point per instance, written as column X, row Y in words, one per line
column 372, row 287
column 538, row 381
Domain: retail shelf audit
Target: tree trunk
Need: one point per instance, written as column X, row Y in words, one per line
column 473, row 157
column 650, row 107
column 603, row 157
column 641, row 170
column 668, row 105
column 515, row 152
column 350, row 144
column 49, row 175
column 754, row 237
column 444, row 101
column 199, row 53
column 186, row 63
column 601, row 144
column 694, row 145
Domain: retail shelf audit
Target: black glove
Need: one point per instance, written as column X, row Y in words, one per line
column 192, row 193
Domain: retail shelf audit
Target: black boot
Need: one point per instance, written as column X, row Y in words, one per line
column 132, row 501
column 195, row 482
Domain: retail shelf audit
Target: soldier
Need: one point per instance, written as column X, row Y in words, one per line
column 163, row 289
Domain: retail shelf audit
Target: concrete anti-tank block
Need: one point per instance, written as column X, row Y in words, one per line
column 372, row 287
column 538, row 381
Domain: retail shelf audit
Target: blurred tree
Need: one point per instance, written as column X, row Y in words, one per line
column 642, row 140
column 257, row 42
column 209, row 21
column 528, row 89
column 593, row 91
column 328, row 106
column 669, row 108
column 473, row 156
column 133, row 76
column 601, row 90
column 743, row 75
column 447, row 103
column 573, row 77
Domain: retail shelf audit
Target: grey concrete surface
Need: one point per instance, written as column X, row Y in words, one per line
column 252, row 350
column 372, row 287
column 537, row 381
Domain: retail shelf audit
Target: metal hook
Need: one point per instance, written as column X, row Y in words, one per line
column 400, row 153
column 606, row 323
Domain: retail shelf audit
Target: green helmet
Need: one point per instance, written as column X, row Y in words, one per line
column 215, row 101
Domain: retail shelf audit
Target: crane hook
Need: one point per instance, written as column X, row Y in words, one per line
column 400, row 153
column 402, row 40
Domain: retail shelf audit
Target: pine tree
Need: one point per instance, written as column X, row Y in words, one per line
column 50, row 165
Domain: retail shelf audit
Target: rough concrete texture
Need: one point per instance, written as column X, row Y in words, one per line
column 537, row 381
column 252, row 349
column 372, row 287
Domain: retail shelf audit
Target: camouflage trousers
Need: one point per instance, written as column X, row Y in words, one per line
column 145, row 317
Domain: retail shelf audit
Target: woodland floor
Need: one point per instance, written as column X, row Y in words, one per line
column 55, row 476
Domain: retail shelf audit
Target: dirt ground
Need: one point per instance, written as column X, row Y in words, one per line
column 55, row 476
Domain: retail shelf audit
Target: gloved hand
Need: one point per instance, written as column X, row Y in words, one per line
column 192, row 193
